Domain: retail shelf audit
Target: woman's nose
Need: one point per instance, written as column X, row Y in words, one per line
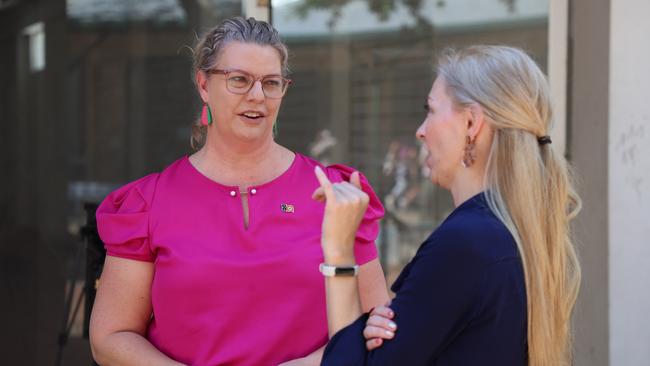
column 256, row 92
column 419, row 133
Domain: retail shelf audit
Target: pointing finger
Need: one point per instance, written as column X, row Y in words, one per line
column 324, row 182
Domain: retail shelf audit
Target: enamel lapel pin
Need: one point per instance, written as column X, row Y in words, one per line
column 287, row 208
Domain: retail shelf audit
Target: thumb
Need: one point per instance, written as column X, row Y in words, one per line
column 355, row 179
column 319, row 194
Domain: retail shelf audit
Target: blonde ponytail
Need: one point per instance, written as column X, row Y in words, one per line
column 529, row 185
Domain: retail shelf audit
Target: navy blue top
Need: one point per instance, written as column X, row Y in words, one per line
column 460, row 301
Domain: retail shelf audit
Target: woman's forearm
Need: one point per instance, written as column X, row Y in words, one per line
column 314, row 358
column 129, row 348
column 372, row 286
column 345, row 204
column 342, row 294
column 343, row 306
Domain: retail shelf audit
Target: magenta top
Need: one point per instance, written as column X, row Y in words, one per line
column 222, row 293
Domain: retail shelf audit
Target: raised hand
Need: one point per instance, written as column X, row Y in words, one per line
column 345, row 205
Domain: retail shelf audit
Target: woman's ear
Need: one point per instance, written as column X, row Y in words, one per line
column 202, row 85
column 475, row 120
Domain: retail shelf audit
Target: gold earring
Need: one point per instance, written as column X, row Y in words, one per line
column 470, row 152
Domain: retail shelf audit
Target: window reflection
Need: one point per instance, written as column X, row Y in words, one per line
column 95, row 12
column 130, row 99
column 361, row 71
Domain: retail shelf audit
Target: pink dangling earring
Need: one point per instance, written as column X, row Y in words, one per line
column 206, row 115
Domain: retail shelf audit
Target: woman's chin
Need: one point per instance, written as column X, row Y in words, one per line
column 434, row 178
column 254, row 134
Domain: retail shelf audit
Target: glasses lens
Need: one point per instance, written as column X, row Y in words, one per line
column 273, row 86
column 239, row 82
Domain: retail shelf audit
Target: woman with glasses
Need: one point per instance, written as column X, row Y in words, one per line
column 496, row 282
column 201, row 254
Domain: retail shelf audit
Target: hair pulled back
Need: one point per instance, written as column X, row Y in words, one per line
column 210, row 46
column 529, row 185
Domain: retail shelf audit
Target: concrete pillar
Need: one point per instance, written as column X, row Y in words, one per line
column 588, row 128
column 629, row 183
column 258, row 9
column 557, row 69
column 609, row 144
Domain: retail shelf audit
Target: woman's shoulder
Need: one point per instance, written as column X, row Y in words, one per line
column 339, row 173
column 137, row 195
column 335, row 172
column 474, row 232
column 123, row 219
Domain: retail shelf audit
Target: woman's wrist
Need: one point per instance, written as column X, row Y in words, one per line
column 336, row 257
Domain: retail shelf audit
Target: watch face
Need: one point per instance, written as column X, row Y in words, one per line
column 344, row 271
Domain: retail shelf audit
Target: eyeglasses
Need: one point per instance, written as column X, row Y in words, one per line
column 241, row 82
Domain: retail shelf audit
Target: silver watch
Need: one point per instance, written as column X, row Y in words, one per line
column 338, row 271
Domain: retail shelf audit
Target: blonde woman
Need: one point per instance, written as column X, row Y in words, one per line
column 495, row 284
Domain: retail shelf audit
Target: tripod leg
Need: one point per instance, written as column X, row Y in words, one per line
column 65, row 332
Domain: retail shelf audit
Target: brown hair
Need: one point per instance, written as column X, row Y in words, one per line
column 209, row 47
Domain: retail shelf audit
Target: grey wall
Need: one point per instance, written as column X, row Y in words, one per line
column 609, row 144
column 588, row 106
column 629, row 183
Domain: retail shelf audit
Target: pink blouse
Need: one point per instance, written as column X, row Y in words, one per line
column 223, row 294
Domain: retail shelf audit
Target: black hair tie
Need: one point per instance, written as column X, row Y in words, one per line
column 544, row 140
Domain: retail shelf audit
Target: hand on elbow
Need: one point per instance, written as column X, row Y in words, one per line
column 379, row 327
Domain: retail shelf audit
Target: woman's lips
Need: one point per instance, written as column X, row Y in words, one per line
column 252, row 120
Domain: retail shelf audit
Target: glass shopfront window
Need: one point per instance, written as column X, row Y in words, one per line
column 95, row 93
column 362, row 70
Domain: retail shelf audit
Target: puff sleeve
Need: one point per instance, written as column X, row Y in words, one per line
column 364, row 245
column 123, row 220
